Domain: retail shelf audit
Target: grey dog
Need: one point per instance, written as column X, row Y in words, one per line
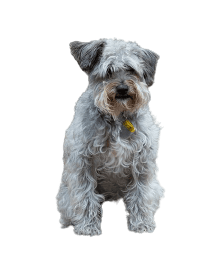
column 111, row 146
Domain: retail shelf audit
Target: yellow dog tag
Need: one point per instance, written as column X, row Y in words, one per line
column 129, row 126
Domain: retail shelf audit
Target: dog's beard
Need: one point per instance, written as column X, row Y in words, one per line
column 137, row 96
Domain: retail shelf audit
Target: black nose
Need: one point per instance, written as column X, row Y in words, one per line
column 122, row 89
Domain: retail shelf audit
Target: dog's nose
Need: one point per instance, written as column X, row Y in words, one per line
column 122, row 89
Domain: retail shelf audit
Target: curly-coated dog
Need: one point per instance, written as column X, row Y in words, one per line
column 110, row 148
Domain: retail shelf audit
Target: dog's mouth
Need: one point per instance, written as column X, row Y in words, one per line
column 123, row 96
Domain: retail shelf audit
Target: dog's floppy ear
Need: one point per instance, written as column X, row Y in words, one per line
column 150, row 59
column 87, row 54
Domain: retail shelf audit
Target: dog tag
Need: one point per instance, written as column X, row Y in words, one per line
column 127, row 129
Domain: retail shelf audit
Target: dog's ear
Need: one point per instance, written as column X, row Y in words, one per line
column 150, row 59
column 87, row 54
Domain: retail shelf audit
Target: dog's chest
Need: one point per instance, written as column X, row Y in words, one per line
column 116, row 150
column 116, row 158
column 112, row 150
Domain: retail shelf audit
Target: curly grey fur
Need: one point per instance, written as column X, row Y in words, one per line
column 99, row 164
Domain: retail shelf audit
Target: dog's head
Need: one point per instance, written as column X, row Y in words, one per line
column 119, row 73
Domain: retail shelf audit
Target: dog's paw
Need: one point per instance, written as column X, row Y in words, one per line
column 141, row 227
column 65, row 223
column 88, row 230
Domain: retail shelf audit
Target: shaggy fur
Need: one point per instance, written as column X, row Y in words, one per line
column 99, row 163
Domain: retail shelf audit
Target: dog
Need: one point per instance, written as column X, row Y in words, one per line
column 111, row 146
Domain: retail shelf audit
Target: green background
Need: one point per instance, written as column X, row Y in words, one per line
column 40, row 83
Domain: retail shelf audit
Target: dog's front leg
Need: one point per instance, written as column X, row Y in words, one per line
column 88, row 211
column 143, row 196
column 78, row 203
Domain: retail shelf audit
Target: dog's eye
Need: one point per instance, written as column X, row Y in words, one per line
column 109, row 73
column 131, row 70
